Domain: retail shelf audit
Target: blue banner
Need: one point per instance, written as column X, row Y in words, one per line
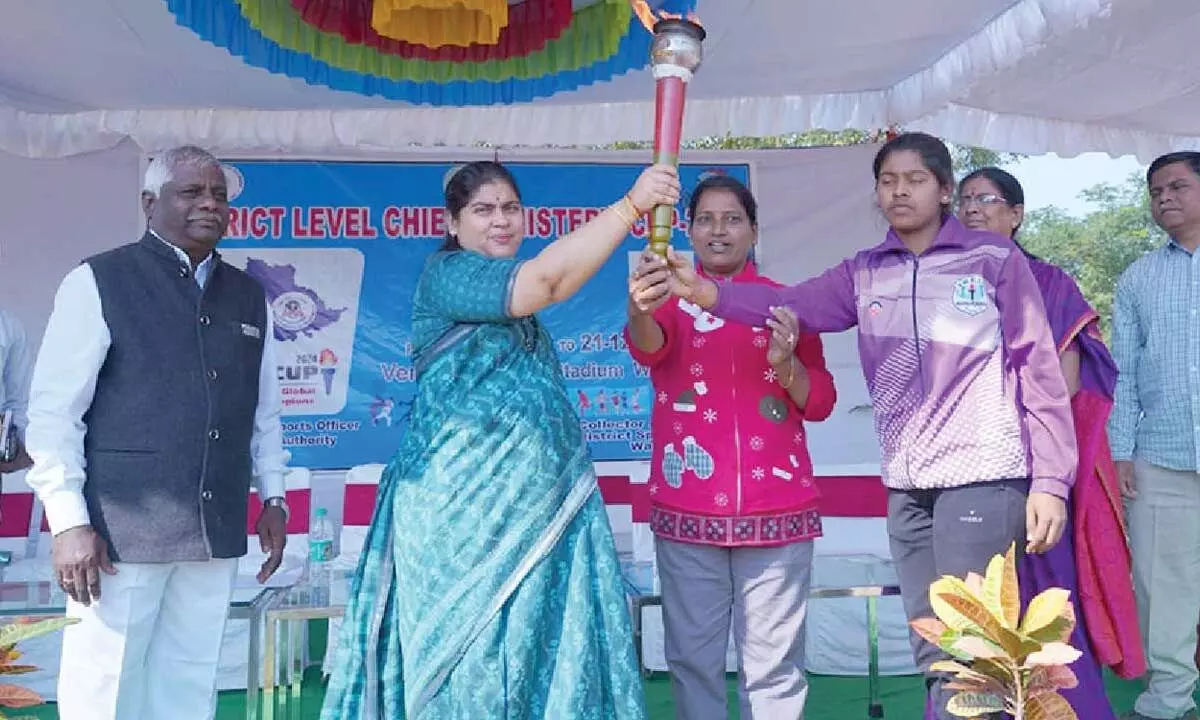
column 339, row 247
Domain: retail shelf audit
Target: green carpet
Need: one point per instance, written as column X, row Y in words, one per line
column 830, row 698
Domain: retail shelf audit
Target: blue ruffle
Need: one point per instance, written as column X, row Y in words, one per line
column 221, row 23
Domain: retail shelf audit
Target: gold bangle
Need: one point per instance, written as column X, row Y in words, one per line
column 633, row 208
column 616, row 208
column 791, row 374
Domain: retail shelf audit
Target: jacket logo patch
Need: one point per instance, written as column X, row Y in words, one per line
column 970, row 295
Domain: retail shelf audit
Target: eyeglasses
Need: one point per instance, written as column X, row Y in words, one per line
column 985, row 199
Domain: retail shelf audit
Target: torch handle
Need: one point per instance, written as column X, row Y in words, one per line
column 670, row 93
column 662, row 217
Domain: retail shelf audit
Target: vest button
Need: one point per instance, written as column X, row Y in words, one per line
column 206, row 495
column 205, row 320
column 214, row 434
column 212, row 374
column 184, row 272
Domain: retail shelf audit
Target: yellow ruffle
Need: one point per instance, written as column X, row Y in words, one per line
column 435, row 23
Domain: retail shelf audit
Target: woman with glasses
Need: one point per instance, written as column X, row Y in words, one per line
column 1092, row 561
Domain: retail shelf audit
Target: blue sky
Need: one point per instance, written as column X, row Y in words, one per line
column 1051, row 180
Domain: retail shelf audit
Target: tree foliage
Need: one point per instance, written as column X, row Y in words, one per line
column 966, row 158
column 1096, row 248
column 812, row 138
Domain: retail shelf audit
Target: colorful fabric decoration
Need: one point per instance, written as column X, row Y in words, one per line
column 531, row 24
column 543, row 47
column 597, row 33
column 436, row 23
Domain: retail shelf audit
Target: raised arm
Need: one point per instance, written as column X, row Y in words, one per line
column 468, row 286
column 825, row 303
column 558, row 271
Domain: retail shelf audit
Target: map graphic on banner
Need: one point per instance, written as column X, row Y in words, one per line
column 339, row 247
column 314, row 304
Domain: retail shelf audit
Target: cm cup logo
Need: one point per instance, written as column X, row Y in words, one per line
column 314, row 297
column 970, row 295
column 327, row 363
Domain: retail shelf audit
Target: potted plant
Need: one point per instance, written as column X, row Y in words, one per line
column 1002, row 662
column 15, row 696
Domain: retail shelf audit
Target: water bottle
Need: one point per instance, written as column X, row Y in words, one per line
column 320, row 556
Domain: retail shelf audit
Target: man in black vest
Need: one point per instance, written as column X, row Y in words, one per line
column 156, row 375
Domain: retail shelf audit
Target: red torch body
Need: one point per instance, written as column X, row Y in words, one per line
column 670, row 93
column 674, row 56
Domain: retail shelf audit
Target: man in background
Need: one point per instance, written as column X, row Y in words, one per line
column 1155, row 435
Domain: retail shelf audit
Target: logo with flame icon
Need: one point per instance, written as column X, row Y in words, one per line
column 327, row 361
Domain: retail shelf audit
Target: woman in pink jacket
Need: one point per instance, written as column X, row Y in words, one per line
column 734, row 507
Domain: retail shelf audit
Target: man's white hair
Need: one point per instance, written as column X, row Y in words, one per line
column 163, row 166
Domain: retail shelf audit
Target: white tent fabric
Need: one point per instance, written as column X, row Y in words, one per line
column 1029, row 76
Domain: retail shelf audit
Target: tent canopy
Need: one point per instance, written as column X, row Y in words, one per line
column 1031, row 76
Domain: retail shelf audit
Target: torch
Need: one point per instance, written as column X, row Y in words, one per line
column 675, row 55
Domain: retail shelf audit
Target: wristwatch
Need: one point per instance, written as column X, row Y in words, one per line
column 279, row 503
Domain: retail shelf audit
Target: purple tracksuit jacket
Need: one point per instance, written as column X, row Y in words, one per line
column 958, row 356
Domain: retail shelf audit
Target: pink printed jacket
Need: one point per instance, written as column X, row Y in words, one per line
column 730, row 464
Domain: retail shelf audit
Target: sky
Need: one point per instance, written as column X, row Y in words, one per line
column 1051, row 180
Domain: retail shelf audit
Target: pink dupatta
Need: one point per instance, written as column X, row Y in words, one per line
column 1102, row 555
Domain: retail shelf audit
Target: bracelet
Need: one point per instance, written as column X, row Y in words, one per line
column 637, row 211
column 791, row 374
column 621, row 213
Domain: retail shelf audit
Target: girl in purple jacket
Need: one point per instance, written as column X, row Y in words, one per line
column 971, row 409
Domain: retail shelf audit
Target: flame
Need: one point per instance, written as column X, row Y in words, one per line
column 648, row 18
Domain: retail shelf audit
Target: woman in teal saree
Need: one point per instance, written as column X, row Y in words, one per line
column 489, row 585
